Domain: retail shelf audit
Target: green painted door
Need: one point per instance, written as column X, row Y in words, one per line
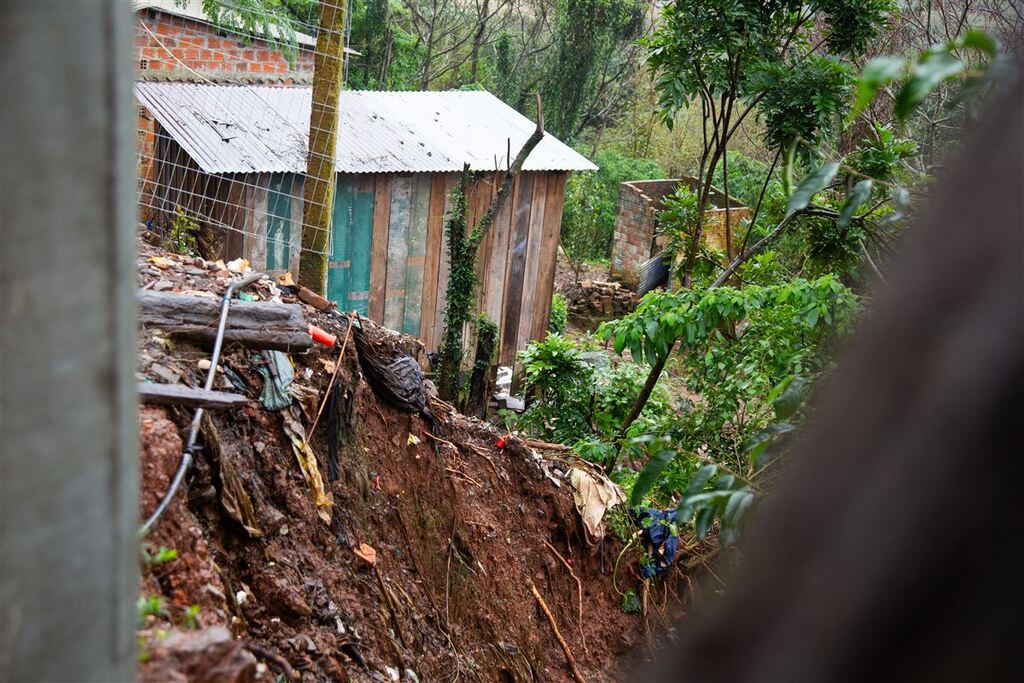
column 279, row 219
column 348, row 274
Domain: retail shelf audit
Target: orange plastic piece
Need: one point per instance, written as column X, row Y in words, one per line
column 321, row 336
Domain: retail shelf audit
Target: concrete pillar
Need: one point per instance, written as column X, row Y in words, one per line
column 68, row 552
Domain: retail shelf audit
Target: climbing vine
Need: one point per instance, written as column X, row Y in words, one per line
column 461, row 286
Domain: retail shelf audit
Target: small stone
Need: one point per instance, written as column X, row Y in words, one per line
column 162, row 285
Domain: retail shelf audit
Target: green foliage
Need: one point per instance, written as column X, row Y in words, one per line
column 801, row 101
column 151, row 606
column 160, row 557
column 919, row 77
column 678, row 220
column 591, row 201
column 390, row 53
column 559, row 314
column 574, row 403
column 190, row 616
column 816, row 181
column 460, row 292
column 739, row 343
column 587, row 38
column 560, row 383
column 746, row 176
column 270, row 20
column 182, row 238
column 702, row 495
column 852, row 26
column 878, row 156
column 630, row 602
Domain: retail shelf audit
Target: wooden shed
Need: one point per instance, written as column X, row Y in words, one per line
column 234, row 157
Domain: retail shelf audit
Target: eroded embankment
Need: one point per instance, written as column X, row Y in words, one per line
column 458, row 529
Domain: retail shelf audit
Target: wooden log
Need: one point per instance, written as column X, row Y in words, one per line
column 320, row 303
column 192, row 397
column 256, row 324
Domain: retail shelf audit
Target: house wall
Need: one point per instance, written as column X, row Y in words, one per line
column 388, row 258
column 172, row 47
column 636, row 223
column 180, row 43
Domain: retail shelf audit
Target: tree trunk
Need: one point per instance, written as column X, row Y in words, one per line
column 318, row 191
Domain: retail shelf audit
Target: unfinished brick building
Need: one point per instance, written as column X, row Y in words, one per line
column 637, row 235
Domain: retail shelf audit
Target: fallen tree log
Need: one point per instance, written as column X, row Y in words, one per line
column 255, row 324
column 193, row 397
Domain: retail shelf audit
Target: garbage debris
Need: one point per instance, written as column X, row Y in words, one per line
column 278, row 373
column 323, row 499
column 662, row 538
column 397, row 378
column 594, row 493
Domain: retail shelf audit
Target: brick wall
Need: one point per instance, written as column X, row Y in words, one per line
column 178, row 48
column 640, row 202
column 180, row 44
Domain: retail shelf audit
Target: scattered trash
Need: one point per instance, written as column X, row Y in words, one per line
column 500, row 443
column 398, row 379
column 366, row 553
column 238, row 266
column 321, row 336
column 285, row 280
column 322, row 499
column 413, row 440
column 278, row 373
column 233, row 496
column 161, row 262
column 594, row 494
column 662, row 537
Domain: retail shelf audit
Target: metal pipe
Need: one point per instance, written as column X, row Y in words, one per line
column 193, row 433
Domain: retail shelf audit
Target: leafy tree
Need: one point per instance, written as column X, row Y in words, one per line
column 588, row 35
column 732, row 56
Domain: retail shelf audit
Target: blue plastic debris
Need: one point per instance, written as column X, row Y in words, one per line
column 662, row 538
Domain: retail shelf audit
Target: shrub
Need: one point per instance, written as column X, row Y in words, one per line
column 560, row 384
column 182, row 238
column 559, row 314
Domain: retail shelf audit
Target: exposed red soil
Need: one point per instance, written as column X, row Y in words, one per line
column 460, row 528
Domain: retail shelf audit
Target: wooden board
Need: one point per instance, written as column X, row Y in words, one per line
column 360, row 253
column 379, row 250
column 432, row 259
column 493, row 279
column 256, row 324
column 192, row 397
column 419, row 210
column 518, row 244
column 548, row 256
column 444, row 267
column 338, row 258
column 537, row 209
column 398, row 250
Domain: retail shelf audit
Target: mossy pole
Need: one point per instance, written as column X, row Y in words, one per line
column 318, row 190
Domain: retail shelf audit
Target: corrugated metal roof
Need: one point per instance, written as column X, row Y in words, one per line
column 255, row 129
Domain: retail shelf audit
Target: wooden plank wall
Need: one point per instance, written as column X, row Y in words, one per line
column 393, row 246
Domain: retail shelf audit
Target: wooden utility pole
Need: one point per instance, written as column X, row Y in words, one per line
column 318, row 190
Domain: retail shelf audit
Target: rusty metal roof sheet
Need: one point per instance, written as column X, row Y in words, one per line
column 257, row 129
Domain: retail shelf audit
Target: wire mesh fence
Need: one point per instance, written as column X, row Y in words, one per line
column 196, row 188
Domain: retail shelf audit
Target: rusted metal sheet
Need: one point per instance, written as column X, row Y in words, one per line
column 255, row 129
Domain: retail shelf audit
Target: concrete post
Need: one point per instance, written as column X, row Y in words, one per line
column 68, row 510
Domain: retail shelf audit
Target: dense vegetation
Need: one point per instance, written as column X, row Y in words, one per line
column 787, row 106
